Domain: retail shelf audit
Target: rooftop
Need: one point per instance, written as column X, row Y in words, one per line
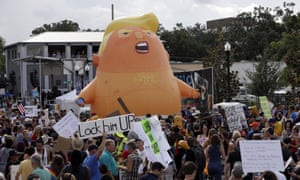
column 66, row 37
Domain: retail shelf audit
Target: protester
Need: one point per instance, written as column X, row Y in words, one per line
column 25, row 168
column 56, row 166
column 189, row 170
column 155, row 172
column 76, row 168
column 91, row 161
column 214, row 155
column 108, row 159
column 133, row 162
column 36, row 162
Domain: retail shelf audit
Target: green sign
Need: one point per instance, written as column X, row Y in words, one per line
column 265, row 106
column 147, row 128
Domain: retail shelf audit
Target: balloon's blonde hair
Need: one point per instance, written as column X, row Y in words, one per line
column 147, row 21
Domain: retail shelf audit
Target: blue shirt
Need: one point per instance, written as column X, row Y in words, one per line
column 92, row 163
column 107, row 159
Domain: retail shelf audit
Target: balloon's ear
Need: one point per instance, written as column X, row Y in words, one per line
column 96, row 59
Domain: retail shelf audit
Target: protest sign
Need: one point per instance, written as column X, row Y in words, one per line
column 261, row 155
column 67, row 125
column 63, row 144
column 155, row 143
column 235, row 116
column 31, row 111
column 265, row 106
column 109, row 125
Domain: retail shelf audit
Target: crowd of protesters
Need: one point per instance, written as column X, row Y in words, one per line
column 202, row 147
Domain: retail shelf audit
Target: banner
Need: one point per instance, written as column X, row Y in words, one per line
column 155, row 144
column 110, row 125
column 261, row 155
column 202, row 80
column 265, row 106
column 67, row 125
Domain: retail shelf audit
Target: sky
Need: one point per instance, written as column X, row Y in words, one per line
column 19, row 17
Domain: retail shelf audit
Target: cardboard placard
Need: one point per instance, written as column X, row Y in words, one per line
column 110, row 125
column 261, row 155
column 67, row 126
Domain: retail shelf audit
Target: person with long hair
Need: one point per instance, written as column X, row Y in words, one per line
column 214, row 155
column 76, row 168
column 203, row 136
column 56, row 166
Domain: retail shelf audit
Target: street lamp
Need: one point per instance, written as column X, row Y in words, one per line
column 227, row 48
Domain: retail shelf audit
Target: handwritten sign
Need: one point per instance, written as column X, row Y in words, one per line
column 265, row 106
column 110, row 125
column 235, row 116
column 31, row 111
column 67, row 125
column 155, row 143
column 261, row 155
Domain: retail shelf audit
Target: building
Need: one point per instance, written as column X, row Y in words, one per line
column 221, row 24
column 61, row 59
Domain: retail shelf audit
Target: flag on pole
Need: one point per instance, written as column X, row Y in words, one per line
column 21, row 109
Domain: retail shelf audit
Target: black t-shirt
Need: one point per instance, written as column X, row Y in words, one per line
column 234, row 157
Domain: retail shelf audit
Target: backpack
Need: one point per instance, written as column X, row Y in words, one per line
column 200, row 158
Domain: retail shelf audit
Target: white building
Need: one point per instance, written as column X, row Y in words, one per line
column 62, row 59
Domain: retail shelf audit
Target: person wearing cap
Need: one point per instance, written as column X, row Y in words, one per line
column 155, row 173
column 25, row 168
column 254, row 129
column 91, row 161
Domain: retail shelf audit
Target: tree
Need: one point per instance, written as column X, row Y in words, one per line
column 2, row 57
column 216, row 59
column 252, row 32
column 287, row 49
column 64, row 25
column 183, row 43
column 265, row 79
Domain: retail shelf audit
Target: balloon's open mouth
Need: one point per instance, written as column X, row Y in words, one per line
column 142, row 47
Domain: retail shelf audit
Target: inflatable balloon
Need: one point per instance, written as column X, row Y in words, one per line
column 133, row 72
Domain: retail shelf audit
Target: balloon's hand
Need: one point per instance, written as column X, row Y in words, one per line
column 195, row 93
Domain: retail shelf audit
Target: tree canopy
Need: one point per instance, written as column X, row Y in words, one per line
column 64, row 25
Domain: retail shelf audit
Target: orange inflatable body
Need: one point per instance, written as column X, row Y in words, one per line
column 133, row 72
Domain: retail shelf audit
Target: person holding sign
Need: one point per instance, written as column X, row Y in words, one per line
column 133, row 162
column 92, row 160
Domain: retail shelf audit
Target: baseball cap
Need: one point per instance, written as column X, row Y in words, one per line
column 254, row 124
column 92, row 147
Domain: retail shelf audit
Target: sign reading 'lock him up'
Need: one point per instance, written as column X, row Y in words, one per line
column 109, row 125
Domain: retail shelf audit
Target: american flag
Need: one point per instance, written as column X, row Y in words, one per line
column 21, row 108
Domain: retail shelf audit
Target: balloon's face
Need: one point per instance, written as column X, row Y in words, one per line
column 133, row 49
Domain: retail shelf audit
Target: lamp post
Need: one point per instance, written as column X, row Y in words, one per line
column 227, row 48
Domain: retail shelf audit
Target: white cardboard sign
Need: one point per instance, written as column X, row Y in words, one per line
column 109, row 125
column 67, row 125
column 261, row 155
